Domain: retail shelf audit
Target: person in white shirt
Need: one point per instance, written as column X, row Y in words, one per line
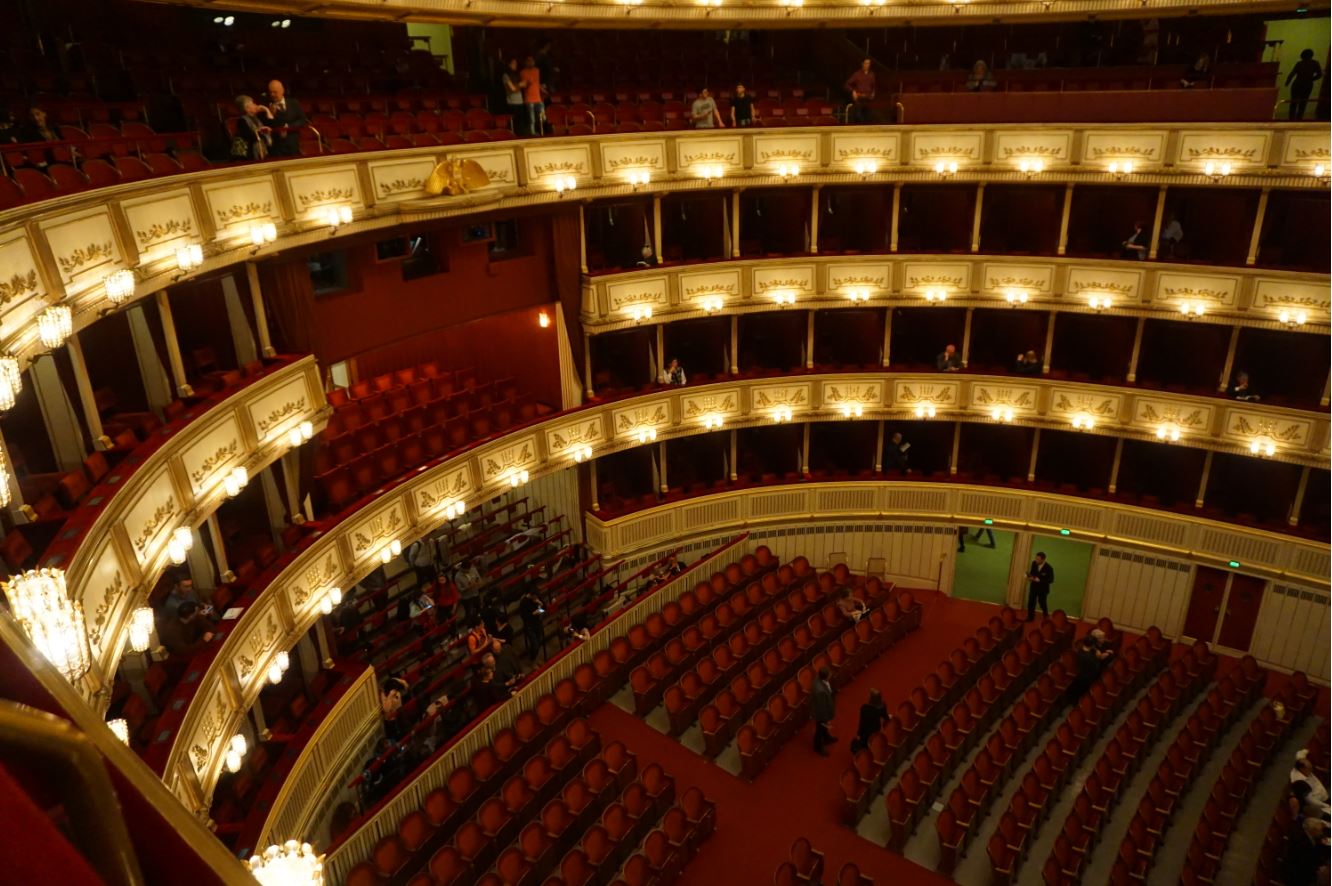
column 1171, row 235
column 1317, row 797
column 674, row 373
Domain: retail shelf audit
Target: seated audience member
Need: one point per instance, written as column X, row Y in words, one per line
column 1306, row 859
column 497, row 622
column 896, row 454
column 185, row 632
column 948, row 361
column 646, row 257
column 487, row 690
column 851, row 606
column 704, row 113
column 287, row 119
column 674, row 373
column 1315, row 799
column 1171, row 235
column 38, row 128
column 742, row 107
column 1028, row 364
column 447, row 718
column 391, row 695
column 9, row 133
column 578, row 629
column 1241, row 389
column 1136, row 245
column 183, row 591
column 477, row 638
column 254, row 136
column 507, row 669
column 1201, row 72
column 873, row 717
column 980, row 79
column 1091, row 658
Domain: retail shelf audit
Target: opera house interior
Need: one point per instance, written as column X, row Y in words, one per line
column 540, row 442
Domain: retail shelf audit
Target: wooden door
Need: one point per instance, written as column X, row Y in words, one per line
column 1209, row 590
column 1241, row 611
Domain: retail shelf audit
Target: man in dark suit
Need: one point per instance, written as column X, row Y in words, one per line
column 288, row 117
column 1039, row 577
column 948, row 361
column 821, row 711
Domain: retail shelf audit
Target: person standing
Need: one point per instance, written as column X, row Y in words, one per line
column 742, row 108
column 822, row 709
column 1039, row 577
column 704, row 114
column 873, row 716
column 514, row 84
column 287, row 117
column 254, row 136
column 468, row 582
column 1301, row 82
column 861, row 85
column 531, row 610
column 536, row 106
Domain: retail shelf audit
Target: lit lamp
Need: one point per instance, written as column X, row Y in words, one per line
column 1015, row 298
column 519, row 476
column 852, row 410
column 454, row 509
column 791, row 5
column 1320, row 173
column 261, row 234
column 54, row 325
column 41, row 605
column 713, row 421
column 581, row 452
column 936, row 296
column 925, row 410
column 300, row 433
column 639, row 178
column 784, row 297
column 1262, row 447
column 1167, row 432
column 1002, row 414
column 1293, row 318
column 332, row 597
column 1121, row 168
column 543, row 320
column 389, row 551
column 1083, row 422
column 563, row 183
column 865, row 167
column 1030, row 167
column 781, row 414
column 336, row 216
column 787, row 170
column 639, row 313
column 646, row 434
column 709, row 172
column 11, row 382
column 944, row 169
column 1192, row 310
column 120, row 729
column 711, row 303
column 858, row 294
column 119, row 286
column 1216, row 171
column 141, row 629
column 279, row 667
column 188, row 258
column 1098, row 303
column 236, row 751
column 291, row 864
column 235, row 481
column 182, row 540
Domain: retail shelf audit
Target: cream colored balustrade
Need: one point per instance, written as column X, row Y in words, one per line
column 351, row 549
column 1234, row 296
column 61, row 251
column 124, row 551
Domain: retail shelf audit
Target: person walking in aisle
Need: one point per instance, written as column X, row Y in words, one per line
column 822, row 709
column 1040, row 576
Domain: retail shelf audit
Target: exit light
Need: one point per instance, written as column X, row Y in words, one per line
column 989, row 522
column 1234, row 564
column 1065, row 532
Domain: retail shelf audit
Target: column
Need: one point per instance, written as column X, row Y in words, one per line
column 957, row 444
column 18, row 511
column 735, row 344
column 260, row 315
column 1298, row 504
column 224, row 573
column 735, row 471
column 257, row 716
column 661, row 457
column 587, row 365
column 887, row 336
column 156, row 386
column 325, row 647
column 1137, row 348
column 172, row 345
column 661, row 350
column 83, row 384
column 966, row 338
column 1114, row 466
column 306, row 654
column 892, row 226
column 976, row 219
column 1156, row 221
column 814, row 222
column 199, row 564
column 582, row 240
column 62, row 422
column 277, row 514
column 809, row 340
column 735, row 224
column 291, row 483
column 1252, row 257
column 804, row 451
column 592, row 478
column 1035, row 450
column 1327, row 386
column 1229, row 365
column 242, row 337
column 656, row 226
column 878, row 449
column 1049, row 343
column 1063, row 221
column 1202, row 485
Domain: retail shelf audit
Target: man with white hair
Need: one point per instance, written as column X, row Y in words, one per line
column 288, row 117
column 1308, row 786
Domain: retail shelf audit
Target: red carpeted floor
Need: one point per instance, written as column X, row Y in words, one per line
column 798, row 794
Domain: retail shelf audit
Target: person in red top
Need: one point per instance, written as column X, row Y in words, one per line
column 536, row 106
column 861, row 85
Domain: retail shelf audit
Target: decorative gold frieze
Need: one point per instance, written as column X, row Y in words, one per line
column 860, row 280
column 1292, row 433
column 316, row 577
column 710, row 157
column 579, row 435
column 865, row 153
column 785, row 154
column 1082, row 403
column 165, row 230
column 710, row 289
column 630, row 162
column 400, row 186
column 568, row 167
column 497, row 464
column 654, row 416
column 291, row 407
column 785, row 283
column 210, row 464
column 843, row 393
column 164, row 512
column 446, row 489
column 947, row 151
column 17, row 285
column 378, row 528
column 90, row 254
column 321, row 196
column 452, row 176
column 1005, row 397
column 1223, row 153
column 1024, row 282
column 696, row 406
column 915, row 282
column 790, row 397
column 1117, row 152
column 1033, row 151
column 244, row 212
column 115, row 589
column 1172, row 415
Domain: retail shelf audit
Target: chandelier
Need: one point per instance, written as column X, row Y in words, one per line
column 11, row 381
column 291, row 864
column 53, row 621
column 141, row 629
column 54, row 326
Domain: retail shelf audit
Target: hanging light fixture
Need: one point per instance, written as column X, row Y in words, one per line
column 709, row 172
column 1217, row 171
column 1168, row 432
column 1291, row 319
column 1031, row 166
column 261, row 234
column 782, row 414
column 236, row 751
column 182, row 540
column 332, row 597
column 42, row 607
column 1192, row 310
column 141, row 629
column 389, row 551
column 54, row 326
column 1121, row 168
column 563, row 183
column 936, row 296
column 1098, row 303
column 1083, row 422
column 281, row 662
column 291, row 864
column 300, row 433
column 235, row 480
column 188, row 257
column 1262, row 447
column 713, row 421
column 120, row 729
column 865, row 167
column 11, row 381
column 119, row 285
column 944, row 170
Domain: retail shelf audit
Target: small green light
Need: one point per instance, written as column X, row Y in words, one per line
column 1065, row 532
column 1233, row 564
column 989, row 522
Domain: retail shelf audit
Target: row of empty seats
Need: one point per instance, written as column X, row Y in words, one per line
column 806, row 866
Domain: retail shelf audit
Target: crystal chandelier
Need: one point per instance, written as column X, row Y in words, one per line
column 54, row 325
column 141, row 629
column 11, row 381
column 53, row 621
column 291, row 864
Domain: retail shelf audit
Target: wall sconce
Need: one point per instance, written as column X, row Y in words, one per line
column 1216, row 171
column 335, row 217
column 279, row 667
column 581, row 452
column 925, row 410
column 236, row 751
column 712, row 303
column 1320, row 172
column 291, row 864
column 943, row 170
column 300, row 434
column 713, row 421
column 1262, row 447
column 54, row 326
column 791, row 5
column 516, row 477
column 1121, row 168
column 389, row 551
column 235, row 481
column 188, row 258
column 936, row 296
column 1099, row 303
column 639, row 313
column 261, row 234
column 180, row 543
column 1083, row 422
column 1002, row 414
column 782, row 414
column 1168, row 432
column 784, row 297
column 852, row 410
column 543, row 320
column 1192, row 310
column 864, row 167
column 1030, row 167
column 119, row 728
column 639, row 178
column 1293, row 319
column 709, row 172
column 141, row 629
column 119, row 286
column 332, row 597
column 563, row 183
column 40, row 603
column 1015, row 298
column 646, row 434
column 11, row 384
column 858, row 294
column 4, row 486
column 712, row 4
column 787, row 170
